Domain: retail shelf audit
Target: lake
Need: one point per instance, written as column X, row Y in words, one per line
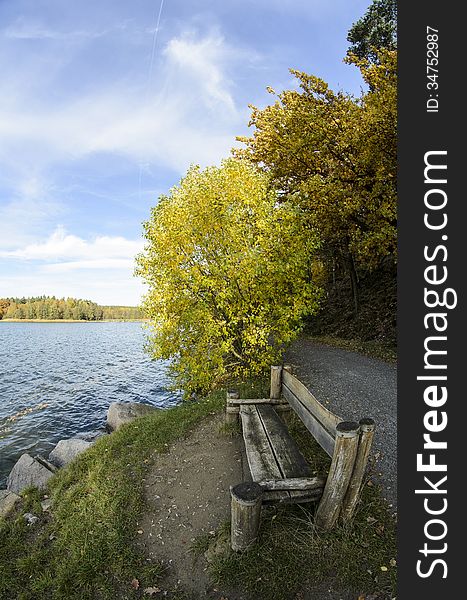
column 58, row 379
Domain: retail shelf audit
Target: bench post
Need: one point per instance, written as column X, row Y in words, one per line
column 232, row 412
column 283, row 410
column 276, row 382
column 246, row 514
column 340, row 472
column 367, row 429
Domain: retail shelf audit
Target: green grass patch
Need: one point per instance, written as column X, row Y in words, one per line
column 292, row 556
column 84, row 548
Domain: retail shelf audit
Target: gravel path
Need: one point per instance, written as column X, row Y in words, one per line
column 355, row 386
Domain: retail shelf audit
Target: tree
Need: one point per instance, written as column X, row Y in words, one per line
column 228, row 274
column 4, row 304
column 376, row 30
column 335, row 158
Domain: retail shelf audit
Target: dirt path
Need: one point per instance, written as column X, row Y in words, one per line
column 188, row 488
column 355, row 386
column 188, row 496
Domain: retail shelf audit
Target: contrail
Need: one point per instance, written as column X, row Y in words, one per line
column 151, row 67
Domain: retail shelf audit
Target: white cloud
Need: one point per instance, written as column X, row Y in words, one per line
column 191, row 117
column 115, row 287
column 202, row 60
column 99, row 263
column 98, row 253
column 68, row 265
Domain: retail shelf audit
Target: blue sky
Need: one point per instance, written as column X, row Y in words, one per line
column 104, row 105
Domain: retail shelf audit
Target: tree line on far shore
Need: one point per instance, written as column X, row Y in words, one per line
column 52, row 308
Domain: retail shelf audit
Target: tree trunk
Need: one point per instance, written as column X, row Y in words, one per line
column 350, row 266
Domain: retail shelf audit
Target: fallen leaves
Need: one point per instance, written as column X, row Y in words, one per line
column 150, row 591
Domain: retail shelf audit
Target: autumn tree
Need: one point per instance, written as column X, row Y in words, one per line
column 4, row 304
column 375, row 31
column 228, row 273
column 334, row 157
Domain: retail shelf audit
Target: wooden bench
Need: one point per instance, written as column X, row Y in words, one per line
column 278, row 469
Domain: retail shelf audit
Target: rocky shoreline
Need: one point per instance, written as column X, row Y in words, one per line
column 36, row 471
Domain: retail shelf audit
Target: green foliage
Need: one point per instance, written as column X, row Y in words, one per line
column 335, row 157
column 376, row 30
column 228, row 273
column 123, row 313
column 51, row 308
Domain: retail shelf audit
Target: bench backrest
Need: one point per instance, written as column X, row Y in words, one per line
column 348, row 443
column 319, row 421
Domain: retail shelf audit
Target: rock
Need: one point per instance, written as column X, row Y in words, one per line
column 30, row 518
column 66, row 450
column 91, row 436
column 28, row 472
column 46, row 504
column 8, row 501
column 48, row 465
column 120, row 413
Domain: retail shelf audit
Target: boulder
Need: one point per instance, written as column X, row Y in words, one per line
column 120, row 413
column 66, row 450
column 28, row 472
column 8, row 501
column 91, row 436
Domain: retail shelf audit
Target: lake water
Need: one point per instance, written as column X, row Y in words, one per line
column 58, row 379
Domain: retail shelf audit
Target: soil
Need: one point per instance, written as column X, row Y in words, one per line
column 376, row 319
column 188, row 495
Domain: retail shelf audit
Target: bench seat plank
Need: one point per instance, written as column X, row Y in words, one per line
column 261, row 461
column 271, row 453
column 291, row 461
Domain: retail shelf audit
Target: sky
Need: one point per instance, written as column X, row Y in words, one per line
column 104, row 105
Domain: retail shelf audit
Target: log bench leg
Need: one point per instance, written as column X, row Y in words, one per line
column 246, row 514
column 367, row 430
column 340, row 472
column 232, row 412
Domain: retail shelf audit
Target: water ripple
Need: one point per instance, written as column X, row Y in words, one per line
column 74, row 371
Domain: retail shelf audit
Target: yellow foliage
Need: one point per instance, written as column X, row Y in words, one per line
column 334, row 156
column 228, row 273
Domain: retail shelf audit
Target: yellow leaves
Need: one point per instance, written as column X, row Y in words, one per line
column 334, row 156
column 227, row 272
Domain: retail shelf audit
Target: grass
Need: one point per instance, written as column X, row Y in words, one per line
column 292, row 556
column 84, row 549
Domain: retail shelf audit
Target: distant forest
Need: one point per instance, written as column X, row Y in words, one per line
column 51, row 308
